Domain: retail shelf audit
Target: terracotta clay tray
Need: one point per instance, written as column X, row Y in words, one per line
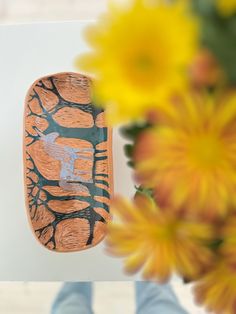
column 68, row 163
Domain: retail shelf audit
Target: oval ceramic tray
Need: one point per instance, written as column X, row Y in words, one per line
column 68, row 163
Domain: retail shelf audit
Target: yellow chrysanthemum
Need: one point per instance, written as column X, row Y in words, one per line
column 217, row 289
column 226, row 7
column 139, row 55
column 156, row 241
column 228, row 235
column 190, row 157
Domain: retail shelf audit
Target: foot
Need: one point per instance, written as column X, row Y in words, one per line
column 74, row 298
column 154, row 298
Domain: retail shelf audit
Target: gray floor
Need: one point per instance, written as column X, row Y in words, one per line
column 36, row 298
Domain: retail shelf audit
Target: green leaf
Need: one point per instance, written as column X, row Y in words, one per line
column 204, row 7
column 218, row 34
column 132, row 131
column 144, row 191
column 215, row 244
column 129, row 149
column 130, row 163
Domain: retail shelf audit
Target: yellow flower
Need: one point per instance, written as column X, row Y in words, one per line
column 226, row 7
column 228, row 235
column 217, row 289
column 190, row 157
column 156, row 241
column 140, row 53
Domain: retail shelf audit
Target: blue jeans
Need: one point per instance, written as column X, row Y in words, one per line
column 151, row 298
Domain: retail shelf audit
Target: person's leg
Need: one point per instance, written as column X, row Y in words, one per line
column 153, row 298
column 74, row 298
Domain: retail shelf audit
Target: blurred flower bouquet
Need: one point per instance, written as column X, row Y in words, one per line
column 166, row 70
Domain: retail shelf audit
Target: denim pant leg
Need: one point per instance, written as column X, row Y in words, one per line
column 153, row 298
column 74, row 298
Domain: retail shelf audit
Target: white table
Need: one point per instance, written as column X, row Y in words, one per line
column 28, row 52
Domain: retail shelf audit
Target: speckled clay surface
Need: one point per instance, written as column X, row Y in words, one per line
column 68, row 163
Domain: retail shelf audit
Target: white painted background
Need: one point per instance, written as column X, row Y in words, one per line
column 29, row 52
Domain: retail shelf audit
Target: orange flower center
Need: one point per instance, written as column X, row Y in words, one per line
column 145, row 66
column 205, row 151
column 166, row 232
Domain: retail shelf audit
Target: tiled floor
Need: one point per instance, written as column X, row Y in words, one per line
column 12, row 11
column 36, row 298
column 26, row 298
